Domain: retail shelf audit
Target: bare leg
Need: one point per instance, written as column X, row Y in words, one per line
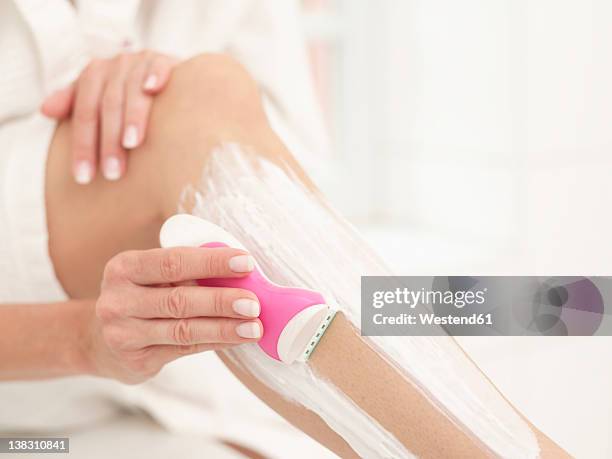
column 210, row 99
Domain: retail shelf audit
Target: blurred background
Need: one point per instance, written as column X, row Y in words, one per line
column 475, row 137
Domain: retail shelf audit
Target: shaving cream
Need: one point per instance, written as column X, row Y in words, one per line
column 299, row 240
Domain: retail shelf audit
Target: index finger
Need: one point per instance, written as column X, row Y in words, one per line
column 177, row 264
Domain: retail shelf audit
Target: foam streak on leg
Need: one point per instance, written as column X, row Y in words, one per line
column 299, row 241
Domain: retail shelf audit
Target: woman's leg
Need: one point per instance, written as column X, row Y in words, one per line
column 210, row 100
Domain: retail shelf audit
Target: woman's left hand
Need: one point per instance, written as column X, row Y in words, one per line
column 109, row 104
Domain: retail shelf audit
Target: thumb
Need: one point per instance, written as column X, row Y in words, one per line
column 59, row 104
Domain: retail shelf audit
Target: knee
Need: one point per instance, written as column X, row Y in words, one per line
column 210, row 99
column 217, row 84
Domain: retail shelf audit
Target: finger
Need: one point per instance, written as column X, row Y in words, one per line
column 137, row 106
column 165, row 353
column 176, row 264
column 85, row 121
column 112, row 153
column 158, row 73
column 185, row 332
column 59, row 104
column 186, row 302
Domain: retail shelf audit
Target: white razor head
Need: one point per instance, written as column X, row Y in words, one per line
column 303, row 332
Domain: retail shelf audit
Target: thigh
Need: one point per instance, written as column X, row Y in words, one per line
column 209, row 99
column 89, row 224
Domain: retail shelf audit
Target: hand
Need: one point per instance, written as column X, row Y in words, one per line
column 110, row 104
column 144, row 319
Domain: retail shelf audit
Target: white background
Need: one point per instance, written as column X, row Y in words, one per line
column 475, row 137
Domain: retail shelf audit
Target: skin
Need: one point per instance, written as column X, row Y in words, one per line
column 209, row 99
column 144, row 319
column 110, row 104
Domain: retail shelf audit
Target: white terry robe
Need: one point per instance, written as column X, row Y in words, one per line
column 44, row 44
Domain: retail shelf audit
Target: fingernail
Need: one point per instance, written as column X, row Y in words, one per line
column 112, row 168
column 83, row 172
column 246, row 307
column 242, row 264
column 130, row 137
column 150, row 82
column 249, row 330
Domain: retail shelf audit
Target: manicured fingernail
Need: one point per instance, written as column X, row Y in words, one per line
column 112, row 168
column 242, row 264
column 246, row 307
column 150, row 82
column 130, row 137
column 249, row 330
column 83, row 172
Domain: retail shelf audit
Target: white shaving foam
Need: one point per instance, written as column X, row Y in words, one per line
column 299, row 241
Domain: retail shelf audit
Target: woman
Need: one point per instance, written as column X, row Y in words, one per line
column 46, row 47
column 149, row 125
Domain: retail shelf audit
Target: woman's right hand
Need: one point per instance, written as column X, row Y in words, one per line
column 150, row 311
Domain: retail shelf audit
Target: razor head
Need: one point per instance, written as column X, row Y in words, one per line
column 303, row 332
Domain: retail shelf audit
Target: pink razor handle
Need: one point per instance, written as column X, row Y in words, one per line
column 279, row 305
column 294, row 319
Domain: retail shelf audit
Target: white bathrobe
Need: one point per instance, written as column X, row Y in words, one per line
column 45, row 43
column 43, row 46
